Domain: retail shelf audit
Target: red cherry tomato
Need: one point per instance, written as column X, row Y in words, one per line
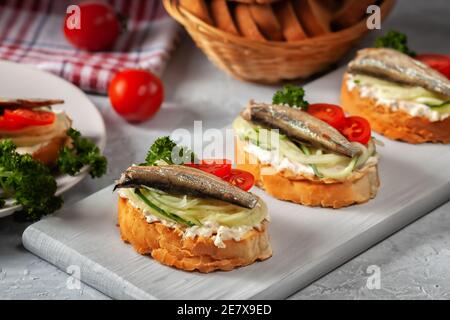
column 241, row 179
column 27, row 117
column 439, row 62
column 136, row 94
column 8, row 125
column 356, row 129
column 330, row 113
column 218, row 167
column 99, row 26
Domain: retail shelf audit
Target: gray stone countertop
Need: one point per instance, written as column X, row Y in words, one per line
column 414, row 263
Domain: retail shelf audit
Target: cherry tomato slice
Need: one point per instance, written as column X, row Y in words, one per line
column 27, row 117
column 218, row 167
column 241, row 179
column 329, row 113
column 356, row 129
column 8, row 125
column 439, row 62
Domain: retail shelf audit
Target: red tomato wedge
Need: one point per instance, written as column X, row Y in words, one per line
column 439, row 62
column 241, row 179
column 329, row 113
column 27, row 117
column 8, row 125
column 356, row 129
column 218, row 167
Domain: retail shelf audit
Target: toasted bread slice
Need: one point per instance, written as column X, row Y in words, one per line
column 222, row 17
column 290, row 25
column 360, row 187
column 255, row 1
column 198, row 8
column 314, row 17
column 246, row 25
column 351, row 13
column 167, row 245
column 48, row 153
column 266, row 21
column 398, row 124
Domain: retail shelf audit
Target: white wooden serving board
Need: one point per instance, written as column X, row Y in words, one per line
column 307, row 242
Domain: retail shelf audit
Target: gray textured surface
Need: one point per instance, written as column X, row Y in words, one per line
column 414, row 262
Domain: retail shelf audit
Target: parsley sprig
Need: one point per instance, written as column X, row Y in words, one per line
column 291, row 95
column 395, row 40
column 82, row 152
column 28, row 182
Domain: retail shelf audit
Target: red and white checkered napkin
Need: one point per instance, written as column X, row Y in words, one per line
column 31, row 33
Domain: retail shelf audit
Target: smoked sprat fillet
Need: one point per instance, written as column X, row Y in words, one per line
column 298, row 125
column 185, row 180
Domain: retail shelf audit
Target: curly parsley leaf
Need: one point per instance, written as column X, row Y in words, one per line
column 167, row 151
column 291, row 95
column 82, row 152
column 395, row 40
column 28, row 182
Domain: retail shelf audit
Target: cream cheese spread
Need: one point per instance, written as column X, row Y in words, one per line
column 218, row 233
column 382, row 92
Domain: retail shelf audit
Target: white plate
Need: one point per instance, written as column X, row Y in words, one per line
column 20, row 81
column 307, row 242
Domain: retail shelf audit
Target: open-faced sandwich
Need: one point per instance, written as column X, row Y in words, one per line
column 188, row 218
column 315, row 156
column 404, row 96
column 34, row 127
column 36, row 144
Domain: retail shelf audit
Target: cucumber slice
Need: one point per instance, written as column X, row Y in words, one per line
column 337, row 174
column 193, row 211
column 160, row 213
column 442, row 108
column 313, row 166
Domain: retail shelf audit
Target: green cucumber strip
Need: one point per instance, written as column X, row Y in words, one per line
column 169, row 215
column 305, row 150
column 441, row 105
column 442, row 108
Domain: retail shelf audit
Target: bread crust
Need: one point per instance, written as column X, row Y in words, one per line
column 167, row 245
column 290, row 25
column 48, row 153
column 351, row 13
column 198, row 8
column 221, row 14
column 267, row 22
column 255, row 1
column 246, row 25
column 359, row 187
column 394, row 124
column 314, row 17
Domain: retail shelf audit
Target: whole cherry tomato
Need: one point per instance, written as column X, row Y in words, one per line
column 136, row 94
column 329, row 113
column 99, row 26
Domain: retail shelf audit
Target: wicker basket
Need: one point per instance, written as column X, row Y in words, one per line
column 270, row 61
